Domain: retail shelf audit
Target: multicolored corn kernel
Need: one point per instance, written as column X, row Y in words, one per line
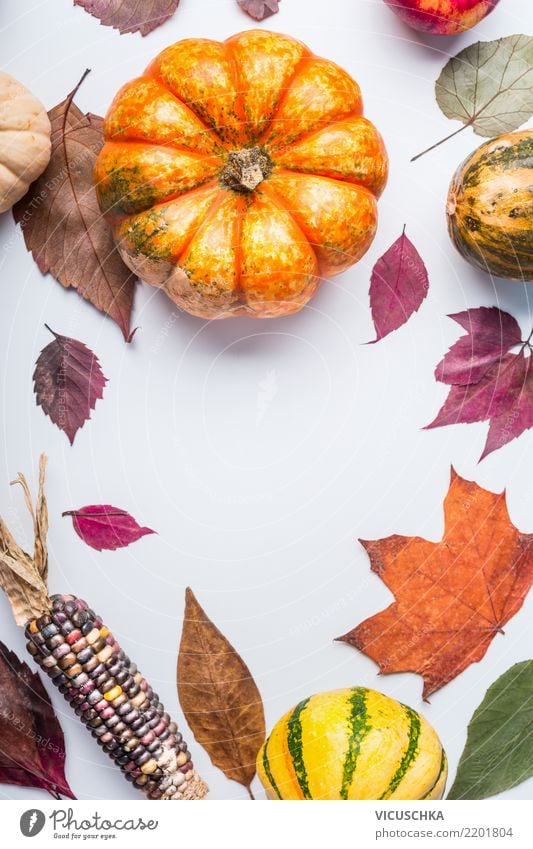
column 112, row 699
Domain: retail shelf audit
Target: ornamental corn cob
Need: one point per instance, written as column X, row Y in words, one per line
column 84, row 661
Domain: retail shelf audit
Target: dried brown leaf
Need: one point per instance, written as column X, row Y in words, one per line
column 22, row 577
column 62, row 223
column 218, row 696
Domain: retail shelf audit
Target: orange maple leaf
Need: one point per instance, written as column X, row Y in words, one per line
column 453, row 596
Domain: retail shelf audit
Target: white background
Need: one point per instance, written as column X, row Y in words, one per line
column 259, row 451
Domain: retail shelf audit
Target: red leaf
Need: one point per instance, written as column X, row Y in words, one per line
column 104, row 526
column 32, row 747
column 518, row 414
column 62, row 223
column 398, row 285
column 68, row 381
column 130, row 15
column 451, row 597
column 487, row 382
column 491, row 334
column 259, row 9
column 489, row 397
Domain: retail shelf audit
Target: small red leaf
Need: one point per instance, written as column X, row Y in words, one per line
column 130, row 15
column 398, row 285
column 32, row 747
column 104, row 526
column 68, row 381
column 259, row 9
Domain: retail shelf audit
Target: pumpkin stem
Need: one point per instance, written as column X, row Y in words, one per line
column 245, row 169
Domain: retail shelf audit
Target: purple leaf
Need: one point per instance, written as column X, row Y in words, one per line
column 259, row 9
column 477, row 402
column 32, row 747
column 130, row 15
column 104, row 526
column 518, row 415
column 504, row 396
column 491, row 333
column 68, row 381
column 398, row 285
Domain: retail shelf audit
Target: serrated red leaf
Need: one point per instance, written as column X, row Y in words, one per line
column 103, row 526
column 491, row 333
column 68, row 381
column 130, row 15
column 451, row 597
column 62, row 223
column 398, row 285
column 259, row 9
column 487, row 383
column 32, row 746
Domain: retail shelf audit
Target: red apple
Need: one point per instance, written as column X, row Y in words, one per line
column 442, row 17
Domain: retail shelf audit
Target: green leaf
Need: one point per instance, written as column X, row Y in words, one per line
column 499, row 746
column 488, row 86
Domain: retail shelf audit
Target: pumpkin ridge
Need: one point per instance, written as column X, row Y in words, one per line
column 155, row 79
column 148, row 200
column 171, row 145
column 280, row 203
column 154, row 74
column 285, row 92
column 358, row 723
column 307, row 134
column 239, row 100
column 217, row 202
column 268, row 771
column 294, row 746
column 237, row 246
column 315, row 132
column 210, row 211
column 410, row 752
column 441, row 770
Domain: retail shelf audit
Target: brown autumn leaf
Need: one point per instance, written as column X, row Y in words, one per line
column 23, row 576
column 130, row 15
column 451, row 597
column 62, row 223
column 218, row 696
column 32, row 747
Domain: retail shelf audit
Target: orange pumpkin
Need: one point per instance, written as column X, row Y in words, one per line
column 234, row 175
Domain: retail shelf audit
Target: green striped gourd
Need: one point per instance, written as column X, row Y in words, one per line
column 352, row 743
column 490, row 207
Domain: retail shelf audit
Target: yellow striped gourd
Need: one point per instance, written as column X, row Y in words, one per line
column 352, row 743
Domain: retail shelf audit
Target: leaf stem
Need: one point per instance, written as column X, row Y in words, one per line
column 101, row 513
column 250, row 794
column 437, row 144
column 75, row 90
column 50, row 330
column 528, row 340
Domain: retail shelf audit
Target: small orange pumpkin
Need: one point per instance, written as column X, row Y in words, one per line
column 234, row 175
